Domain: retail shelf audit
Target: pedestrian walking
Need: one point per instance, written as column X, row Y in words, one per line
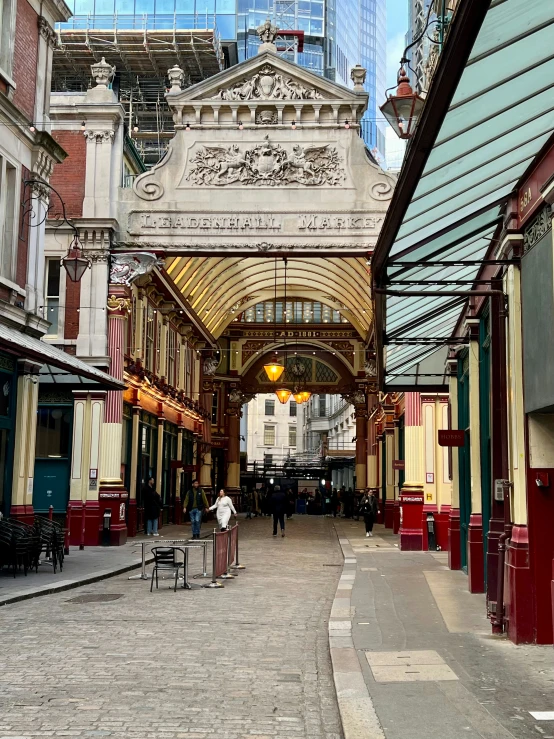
column 152, row 507
column 334, row 502
column 223, row 507
column 278, row 505
column 248, row 503
column 368, row 508
column 195, row 503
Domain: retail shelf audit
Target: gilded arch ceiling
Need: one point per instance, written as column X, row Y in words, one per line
column 216, row 287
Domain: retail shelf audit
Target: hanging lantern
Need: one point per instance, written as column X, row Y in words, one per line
column 403, row 110
column 74, row 263
column 299, row 397
column 274, row 370
column 305, row 395
column 283, row 395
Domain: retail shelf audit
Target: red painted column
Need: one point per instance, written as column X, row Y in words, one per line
column 361, row 415
column 411, row 496
column 112, row 494
column 520, row 611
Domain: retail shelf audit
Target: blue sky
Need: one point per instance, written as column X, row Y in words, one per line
column 397, row 25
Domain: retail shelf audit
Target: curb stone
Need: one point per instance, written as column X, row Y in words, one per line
column 358, row 717
column 63, row 585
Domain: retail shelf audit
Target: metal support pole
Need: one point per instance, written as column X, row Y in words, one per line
column 214, row 583
column 143, row 575
column 237, row 565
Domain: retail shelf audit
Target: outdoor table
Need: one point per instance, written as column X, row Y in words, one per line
column 190, row 543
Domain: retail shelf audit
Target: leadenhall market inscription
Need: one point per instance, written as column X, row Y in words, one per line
column 157, row 222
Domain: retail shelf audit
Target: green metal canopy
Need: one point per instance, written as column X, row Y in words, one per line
column 488, row 114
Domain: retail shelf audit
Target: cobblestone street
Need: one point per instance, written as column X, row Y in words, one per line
column 250, row 660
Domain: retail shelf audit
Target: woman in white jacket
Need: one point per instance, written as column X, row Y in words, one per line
column 225, row 507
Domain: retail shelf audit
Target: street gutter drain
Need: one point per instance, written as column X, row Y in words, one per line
column 100, row 598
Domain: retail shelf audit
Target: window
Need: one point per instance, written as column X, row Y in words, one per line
column 292, row 435
column 53, row 433
column 269, row 407
column 171, row 350
column 188, row 370
column 322, row 405
column 215, row 399
column 269, row 435
column 8, row 205
column 7, row 27
column 52, row 302
column 292, row 409
column 268, row 460
column 149, row 335
column 158, row 347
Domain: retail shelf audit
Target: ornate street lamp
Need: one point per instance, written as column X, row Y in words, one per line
column 274, row 369
column 74, row 263
column 306, row 395
column 403, row 110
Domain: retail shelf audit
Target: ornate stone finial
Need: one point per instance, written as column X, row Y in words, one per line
column 357, row 75
column 267, row 33
column 102, row 72
column 176, row 78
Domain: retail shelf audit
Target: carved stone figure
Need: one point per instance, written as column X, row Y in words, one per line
column 267, row 32
column 210, row 366
column 267, row 118
column 125, row 268
column 235, row 396
column 370, row 368
column 266, row 164
column 267, row 84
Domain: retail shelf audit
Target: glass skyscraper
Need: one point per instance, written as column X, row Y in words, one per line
column 334, row 36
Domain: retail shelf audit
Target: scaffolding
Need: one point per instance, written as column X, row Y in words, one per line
column 142, row 48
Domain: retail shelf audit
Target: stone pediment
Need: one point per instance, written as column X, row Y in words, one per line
column 267, row 77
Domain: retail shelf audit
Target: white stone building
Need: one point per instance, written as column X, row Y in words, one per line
column 271, row 429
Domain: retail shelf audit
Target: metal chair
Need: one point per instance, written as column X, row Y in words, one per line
column 165, row 559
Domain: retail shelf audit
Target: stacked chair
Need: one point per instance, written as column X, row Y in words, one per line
column 21, row 545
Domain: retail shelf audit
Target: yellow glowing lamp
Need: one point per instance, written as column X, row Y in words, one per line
column 305, row 395
column 299, row 397
column 274, row 371
column 283, row 395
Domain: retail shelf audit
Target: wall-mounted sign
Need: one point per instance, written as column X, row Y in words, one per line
column 430, row 478
column 398, row 464
column 93, row 474
column 452, row 437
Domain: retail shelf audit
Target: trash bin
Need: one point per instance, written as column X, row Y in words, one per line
column 106, row 526
column 431, row 539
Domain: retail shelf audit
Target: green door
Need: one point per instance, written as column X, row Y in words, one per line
column 52, row 458
column 463, row 455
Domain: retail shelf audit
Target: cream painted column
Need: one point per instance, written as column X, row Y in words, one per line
column 514, row 380
column 372, row 445
column 88, row 417
column 444, row 483
column 135, row 441
column 361, row 415
column 411, row 496
column 429, row 443
column 388, row 442
column 413, row 443
column 25, row 441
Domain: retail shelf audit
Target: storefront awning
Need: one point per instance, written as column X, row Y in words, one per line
column 488, row 114
column 54, row 360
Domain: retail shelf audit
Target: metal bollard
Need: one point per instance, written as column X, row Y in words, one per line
column 214, row 583
column 51, row 513
column 67, row 529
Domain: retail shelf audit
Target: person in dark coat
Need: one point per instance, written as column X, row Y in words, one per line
column 278, row 504
column 334, row 502
column 152, row 507
column 369, row 508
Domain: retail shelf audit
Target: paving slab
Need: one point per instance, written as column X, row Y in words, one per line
column 430, row 664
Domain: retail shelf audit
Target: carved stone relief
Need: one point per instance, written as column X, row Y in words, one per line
column 267, row 84
column 127, row 267
column 266, row 164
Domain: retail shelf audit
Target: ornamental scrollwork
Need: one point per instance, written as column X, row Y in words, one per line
column 118, row 304
column 267, row 84
column 266, row 164
column 538, row 227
